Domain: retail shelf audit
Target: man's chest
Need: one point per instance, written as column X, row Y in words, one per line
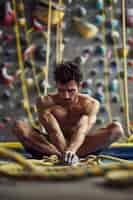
column 68, row 117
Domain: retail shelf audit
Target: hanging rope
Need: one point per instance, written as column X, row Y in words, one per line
column 59, row 38
column 31, row 54
column 21, row 65
column 46, row 68
column 123, row 11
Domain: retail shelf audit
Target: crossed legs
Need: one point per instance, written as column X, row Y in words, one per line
column 56, row 143
column 101, row 139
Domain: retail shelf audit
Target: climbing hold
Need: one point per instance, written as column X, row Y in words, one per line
column 113, row 66
column 100, row 65
column 130, row 17
column 98, row 39
column 100, row 50
column 111, row 2
column 5, row 78
column 85, row 87
column 7, row 119
column 86, row 91
column 112, row 24
column 115, row 98
column 99, row 4
column 20, row 6
column 112, row 37
column 29, row 51
column 9, row 14
column 87, row 83
column 130, row 41
column 99, row 20
column 29, row 82
column 130, row 78
column 99, row 96
column 102, row 109
column 93, row 72
column 6, row 95
column 87, row 30
column 130, row 63
column 37, row 25
column 41, row 12
column 80, row 11
column 113, row 85
column 99, row 83
column 122, row 52
column 22, row 21
column 2, row 125
column 122, row 108
column 86, row 52
column 8, row 37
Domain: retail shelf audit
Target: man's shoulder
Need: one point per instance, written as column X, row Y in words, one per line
column 84, row 99
column 47, row 99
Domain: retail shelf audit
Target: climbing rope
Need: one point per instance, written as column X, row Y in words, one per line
column 31, row 53
column 48, row 46
column 123, row 11
column 51, row 168
column 59, row 38
column 21, row 65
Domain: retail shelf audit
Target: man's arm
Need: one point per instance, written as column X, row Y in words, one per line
column 84, row 126
column 45, row 108
column 43, row 103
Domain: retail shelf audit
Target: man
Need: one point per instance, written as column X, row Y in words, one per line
column 68, row 118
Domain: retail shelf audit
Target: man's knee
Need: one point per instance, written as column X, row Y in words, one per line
column 115, row 129
column 21, row 128
column 45, row 117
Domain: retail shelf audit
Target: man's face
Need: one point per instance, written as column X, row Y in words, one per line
column 68, row 92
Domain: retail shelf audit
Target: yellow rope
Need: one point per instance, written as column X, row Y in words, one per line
column 31, row 54
column 59, row 35
column 16, row 157
column 21, row 65
column 123, row 10
column 48, row 47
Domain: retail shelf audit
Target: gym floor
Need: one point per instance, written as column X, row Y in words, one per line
column 88, row 188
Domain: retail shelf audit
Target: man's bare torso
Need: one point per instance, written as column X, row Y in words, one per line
column 68, row 114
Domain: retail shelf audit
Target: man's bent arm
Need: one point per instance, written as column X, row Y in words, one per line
column 45, row 108
column 83, row 127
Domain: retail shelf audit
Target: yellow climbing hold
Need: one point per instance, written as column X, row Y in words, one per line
column 41, row 12
column 86, row 29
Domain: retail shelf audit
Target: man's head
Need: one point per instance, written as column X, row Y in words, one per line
column 67, row 77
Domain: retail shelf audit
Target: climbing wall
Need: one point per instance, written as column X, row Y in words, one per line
column 92, row 37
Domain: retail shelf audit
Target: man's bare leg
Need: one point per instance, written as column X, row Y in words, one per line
column 101, row 138
column 55, row 134
column 32, row 140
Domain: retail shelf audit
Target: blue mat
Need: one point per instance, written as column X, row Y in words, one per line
column 120, row 152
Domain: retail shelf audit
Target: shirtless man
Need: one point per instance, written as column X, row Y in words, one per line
column 68, row 118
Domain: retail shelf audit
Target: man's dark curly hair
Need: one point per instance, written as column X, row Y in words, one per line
column 66, row 72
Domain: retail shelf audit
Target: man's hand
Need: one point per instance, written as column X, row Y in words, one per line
column 70, row 158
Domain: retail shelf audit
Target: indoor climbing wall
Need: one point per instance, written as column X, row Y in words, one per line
column 90, row 34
